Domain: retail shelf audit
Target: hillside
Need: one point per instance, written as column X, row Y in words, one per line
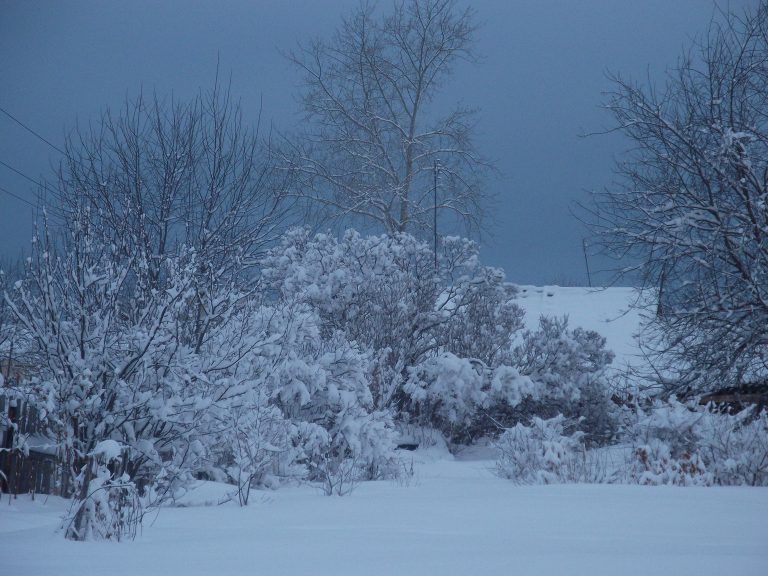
column 607, row 311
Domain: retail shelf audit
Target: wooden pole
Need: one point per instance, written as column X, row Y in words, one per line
column 586, row 260
column 434, row 226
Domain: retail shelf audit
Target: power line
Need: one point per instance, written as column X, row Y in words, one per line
column 17, row 197
column 26, row 177
column 43, row 185
column 30, row 130
column 44, row 139
column 20, row 173
column 50, row 209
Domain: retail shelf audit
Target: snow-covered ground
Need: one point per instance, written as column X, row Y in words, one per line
column 453, row 517
column 608, row 311
column 456, row 517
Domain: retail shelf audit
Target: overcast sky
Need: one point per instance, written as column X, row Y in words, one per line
column 538, row 88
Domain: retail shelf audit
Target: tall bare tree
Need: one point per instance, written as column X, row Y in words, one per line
column 374, row 138
column 693, row 207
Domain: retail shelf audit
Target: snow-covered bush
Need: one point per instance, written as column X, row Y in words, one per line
column 297, row 403
column 153, row 259
column 385, row 294
column 362, row 449
column 654, row 463
column 675, row 443
column 485, row 316
column 565, row 360
column 449, row 392
column 739, row 450
column 540, row 453
column 381, row 292
column 447, row 346
column 555, row 370
column 570, row 364
column 256, row 440
column 446, row 389
column 108, row 506
column 668, row 443
column 111, row 363
column 327, row 388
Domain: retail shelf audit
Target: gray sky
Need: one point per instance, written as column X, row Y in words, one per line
column 538, row 87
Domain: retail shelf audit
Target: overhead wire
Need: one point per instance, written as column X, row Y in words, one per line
column 42, row 185
column 19, row 198
column 38, row 183
column 30, row 130
column 20, row 173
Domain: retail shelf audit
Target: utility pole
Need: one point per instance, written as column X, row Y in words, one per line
column 434, row 225
column 586, row 260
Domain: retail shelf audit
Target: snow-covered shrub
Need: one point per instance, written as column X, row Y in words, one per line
column 540, row 453
column 485, row 316
column 550, row 371
column 329, row 390
column 739, row 449
column 446, row 344
column 384, row 294
column 112, row 365
column 675, row 443
column 448, row 391
column 669, row 443
column 563, row 359
column 362, row 449
column 257, row 439
column 380, row 291
column 108, row 506
column 297, row 403
column 654, row 464
column 432, row 333
column 569, row 364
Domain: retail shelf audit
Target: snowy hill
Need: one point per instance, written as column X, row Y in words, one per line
column 607, row 311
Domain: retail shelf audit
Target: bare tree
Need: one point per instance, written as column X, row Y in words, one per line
column 161, row 175
column 692, row 210
column 374, row 142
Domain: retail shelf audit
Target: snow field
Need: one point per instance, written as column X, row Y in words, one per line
column 607, row 311
column 455, row 518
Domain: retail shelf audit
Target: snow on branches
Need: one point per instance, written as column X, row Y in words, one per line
column 302, row 372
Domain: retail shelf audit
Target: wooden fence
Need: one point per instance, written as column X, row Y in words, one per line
column 32, row 466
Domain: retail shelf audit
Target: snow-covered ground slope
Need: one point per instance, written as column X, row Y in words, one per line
column 456, row 518
column 607, row 311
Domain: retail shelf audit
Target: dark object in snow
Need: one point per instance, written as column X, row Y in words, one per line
column 409, row 447
column 736, row 398
column 28, row 465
